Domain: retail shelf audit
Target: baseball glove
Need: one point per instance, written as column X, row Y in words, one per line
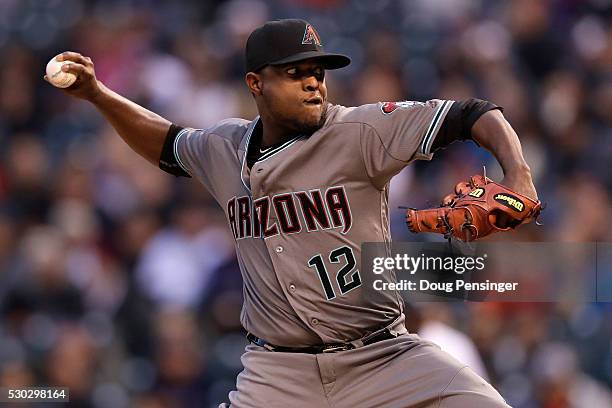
column 478, row 208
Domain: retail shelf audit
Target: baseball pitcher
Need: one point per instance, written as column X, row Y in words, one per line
column 302, row 186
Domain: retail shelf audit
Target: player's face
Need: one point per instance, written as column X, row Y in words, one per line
column 295, row 95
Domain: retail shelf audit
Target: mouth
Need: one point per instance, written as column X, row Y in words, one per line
column 315, row 100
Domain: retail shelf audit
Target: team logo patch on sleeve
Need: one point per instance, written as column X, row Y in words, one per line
column 389, row 107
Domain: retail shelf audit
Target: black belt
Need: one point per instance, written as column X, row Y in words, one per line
column 384, row 334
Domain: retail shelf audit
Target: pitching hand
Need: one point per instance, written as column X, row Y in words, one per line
column 86, row 85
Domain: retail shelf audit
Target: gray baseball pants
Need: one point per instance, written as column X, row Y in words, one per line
column 403, row 372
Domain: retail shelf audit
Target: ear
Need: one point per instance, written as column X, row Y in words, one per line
column 254, row 82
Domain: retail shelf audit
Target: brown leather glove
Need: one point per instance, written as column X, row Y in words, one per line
column 478, row 208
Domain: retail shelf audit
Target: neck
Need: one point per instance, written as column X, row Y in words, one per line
column 272, row 133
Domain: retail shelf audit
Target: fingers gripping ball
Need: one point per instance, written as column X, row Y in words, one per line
column 56, row 76
column 478, row 208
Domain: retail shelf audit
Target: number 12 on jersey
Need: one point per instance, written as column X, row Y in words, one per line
column 346, row 272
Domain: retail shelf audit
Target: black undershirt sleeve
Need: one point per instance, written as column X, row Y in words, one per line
column 167, row 160
column 457, row 124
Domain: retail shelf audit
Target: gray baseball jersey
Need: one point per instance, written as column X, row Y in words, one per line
column 300, row 214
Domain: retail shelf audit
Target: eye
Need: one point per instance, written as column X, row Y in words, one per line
column 292, row 71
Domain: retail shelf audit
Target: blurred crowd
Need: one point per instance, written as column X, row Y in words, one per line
column 119, row 281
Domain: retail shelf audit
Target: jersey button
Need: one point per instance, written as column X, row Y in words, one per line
column 279, row 249
column 292, row 287
column 314, row 321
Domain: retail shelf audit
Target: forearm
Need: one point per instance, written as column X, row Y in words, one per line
column 493, row 132
column 144, row 131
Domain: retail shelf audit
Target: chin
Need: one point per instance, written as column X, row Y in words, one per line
column 310, row 126
column 314, row 122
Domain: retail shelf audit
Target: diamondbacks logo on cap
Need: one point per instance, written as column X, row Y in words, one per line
column 311, row 36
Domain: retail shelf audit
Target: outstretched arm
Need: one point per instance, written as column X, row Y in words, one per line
column 493, row 132
column 143, row 130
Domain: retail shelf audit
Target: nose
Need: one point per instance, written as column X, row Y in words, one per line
column 311, row 83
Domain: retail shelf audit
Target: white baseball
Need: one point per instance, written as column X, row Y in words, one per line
column 56, row 76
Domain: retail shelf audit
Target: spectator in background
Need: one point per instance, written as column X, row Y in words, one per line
column 178, row 263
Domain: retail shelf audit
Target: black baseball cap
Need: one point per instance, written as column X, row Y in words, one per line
column 284, row 41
